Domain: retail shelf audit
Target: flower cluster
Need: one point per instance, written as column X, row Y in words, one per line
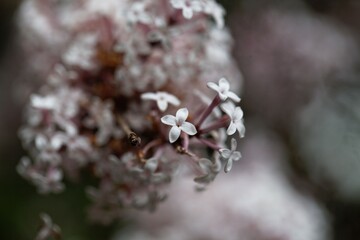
column 114, row 73
column 48, row 229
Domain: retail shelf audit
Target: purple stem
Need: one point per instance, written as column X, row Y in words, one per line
column 220, row 123
column 209, row 144
column 215, row 102
column 185, row 141
column 151, row 144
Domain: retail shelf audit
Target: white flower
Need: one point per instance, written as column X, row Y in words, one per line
column 162, row 99
column 137, row 13
column 223, row 90
column 217, row 12
column 47, row 102
column 81, row 52
column 188, row 7
column 235, row 114
column 178, row 124
column 230, row 155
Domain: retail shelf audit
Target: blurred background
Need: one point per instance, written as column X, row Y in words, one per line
column 301, row 98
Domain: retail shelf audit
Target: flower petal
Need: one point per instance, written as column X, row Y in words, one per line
column 235, row 156
column 188, row 128
column 228, row 108
column 187, row 12
column 224, row 84
column 213, row 86
column 233, row 144
column 223, row 96
column 241, row 128
column 233, row 96
column 177, row 3
column 174, row 134
column 238, row 114
column 181, row 115
column 168, row 120
column 172, row 99
column 162, row 104
column 231, row 129
column 225, row 153
column 149, row 96
column 228, row 165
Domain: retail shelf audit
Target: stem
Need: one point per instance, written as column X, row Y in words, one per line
column 185, row 141
column 124, row 125
column 151, row 144
column 133, row 138
column 182, row 150
column 220, row 123
column 210, row 144
column 215, row 102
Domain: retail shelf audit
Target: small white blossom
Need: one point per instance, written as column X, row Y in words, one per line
column 178, row 124
column 188, row 7
column 223, row 89
column 162, row 99
column 230, row 155
column 81, row 52
column 138, row 13
column 47, row 102
column 235, row 114
column 216, row 11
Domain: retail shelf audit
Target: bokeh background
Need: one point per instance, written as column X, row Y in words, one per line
column 300, row 65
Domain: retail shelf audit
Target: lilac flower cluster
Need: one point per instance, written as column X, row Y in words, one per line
column 115, row 71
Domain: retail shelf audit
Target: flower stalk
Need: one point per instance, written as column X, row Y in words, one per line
column 215, row 102
column 132, row 137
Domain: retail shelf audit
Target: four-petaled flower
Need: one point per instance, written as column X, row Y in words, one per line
column 178, row 124
column 236, row 120
column 162, row 99
column 223, row 89
column 230, row 155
